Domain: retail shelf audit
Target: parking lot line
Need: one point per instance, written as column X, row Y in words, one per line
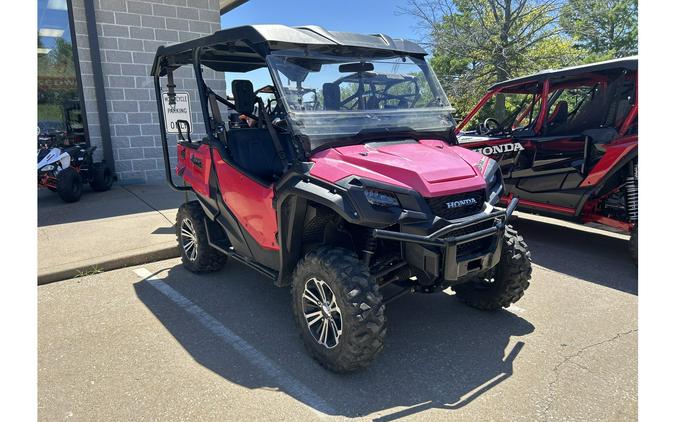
column 516, row 309
column 246, row 350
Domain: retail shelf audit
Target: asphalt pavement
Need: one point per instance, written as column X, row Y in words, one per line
column 155, row 342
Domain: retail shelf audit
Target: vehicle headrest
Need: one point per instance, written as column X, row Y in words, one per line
column 244, row 97
column 561, row 113
column 331, row 96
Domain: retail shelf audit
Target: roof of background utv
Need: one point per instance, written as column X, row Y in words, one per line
column 628, row 63
column 244, row 48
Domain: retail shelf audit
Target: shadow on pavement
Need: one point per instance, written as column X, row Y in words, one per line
column 118, row 201
column 438, row 353
column 600, row 259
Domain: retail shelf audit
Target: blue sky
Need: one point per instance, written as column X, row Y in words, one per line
column 365, row 16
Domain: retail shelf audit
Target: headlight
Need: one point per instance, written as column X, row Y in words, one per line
column 381, row 198
column 48, row 167
column 494, row 183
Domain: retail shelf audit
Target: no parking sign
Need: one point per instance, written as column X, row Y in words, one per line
column 178, row 111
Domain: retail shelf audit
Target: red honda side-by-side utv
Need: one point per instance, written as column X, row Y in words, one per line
column 566, row 141
column 342, row 178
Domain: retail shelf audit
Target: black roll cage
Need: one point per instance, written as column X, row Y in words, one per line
column 211, row 124
column 245, row 48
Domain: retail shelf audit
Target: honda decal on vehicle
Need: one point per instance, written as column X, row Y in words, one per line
column 498, row 149
column 461, row 203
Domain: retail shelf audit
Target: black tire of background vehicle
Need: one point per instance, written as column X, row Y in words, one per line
column 360, row 302
column 634, row 244
column 102, row 177
column 207, row 258
column 511, row 277
column 69, row 185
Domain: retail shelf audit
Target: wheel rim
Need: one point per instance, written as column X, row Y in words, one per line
column 322, row 313
column 188, row 239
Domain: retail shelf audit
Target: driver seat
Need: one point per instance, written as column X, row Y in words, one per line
column 331, row 96
column 559, row 115
column 253, row 149
column 373, row 103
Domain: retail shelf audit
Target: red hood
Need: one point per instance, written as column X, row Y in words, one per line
column 429, row 167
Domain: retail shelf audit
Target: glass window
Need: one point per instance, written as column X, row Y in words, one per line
column 60, row 117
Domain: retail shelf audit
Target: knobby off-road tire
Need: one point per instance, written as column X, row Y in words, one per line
column 508, row 282
column 634, row 244
column 69, row 185
column 362, row 325
column 102, row 177
column 196, row 253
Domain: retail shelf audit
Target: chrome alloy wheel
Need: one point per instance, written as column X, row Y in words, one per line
column 322, row 313
column 188, row 239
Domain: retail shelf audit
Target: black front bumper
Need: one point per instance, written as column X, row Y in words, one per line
column 440, row 253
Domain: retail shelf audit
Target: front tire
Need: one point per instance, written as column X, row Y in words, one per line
column 69, row 185
column 507, row 283
column 338, row 309
column 195, row 252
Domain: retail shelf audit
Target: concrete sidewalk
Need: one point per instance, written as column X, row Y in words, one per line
column 127, row 225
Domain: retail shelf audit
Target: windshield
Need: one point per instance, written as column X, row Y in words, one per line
column 331, row 97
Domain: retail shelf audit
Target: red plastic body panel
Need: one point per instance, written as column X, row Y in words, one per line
column 430, row 167
column 195, row 175
column 614, row 153
column 249, row 201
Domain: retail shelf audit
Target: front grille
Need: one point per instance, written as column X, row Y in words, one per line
column 474, row 246
column 440, row 207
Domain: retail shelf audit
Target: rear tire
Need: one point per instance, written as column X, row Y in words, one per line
column 350, row 307
column 196, row 253
column 634, row 244
column 507, row 284
column 69, row 185
column 102, row 177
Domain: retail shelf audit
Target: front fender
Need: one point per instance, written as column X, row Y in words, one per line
column 292, row 196
column 297, row 191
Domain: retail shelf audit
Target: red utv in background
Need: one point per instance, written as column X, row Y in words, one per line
column 566, row 141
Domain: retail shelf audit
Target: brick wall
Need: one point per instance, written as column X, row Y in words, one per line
column 129, row 33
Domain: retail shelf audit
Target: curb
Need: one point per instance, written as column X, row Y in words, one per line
column 112, row 264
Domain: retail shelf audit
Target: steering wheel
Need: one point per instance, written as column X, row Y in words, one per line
column 491, row 125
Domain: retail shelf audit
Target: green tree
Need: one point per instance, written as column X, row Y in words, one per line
column 606, row 28
column 476, row 43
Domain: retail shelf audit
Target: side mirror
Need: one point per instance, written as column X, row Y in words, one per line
column 244, row 97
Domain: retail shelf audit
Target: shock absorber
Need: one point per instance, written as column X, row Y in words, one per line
column 631, row 189
column 369, row 247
